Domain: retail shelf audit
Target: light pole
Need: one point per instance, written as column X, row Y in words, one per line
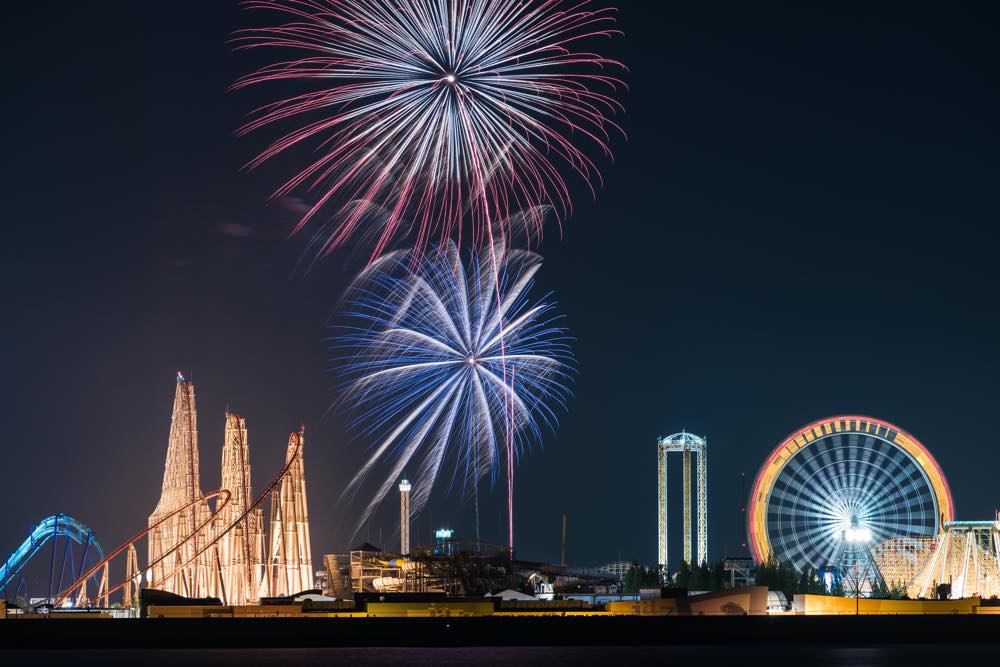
column 857, row 535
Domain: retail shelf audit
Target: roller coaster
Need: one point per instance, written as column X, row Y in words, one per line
column 280, row 578
column 62, row 532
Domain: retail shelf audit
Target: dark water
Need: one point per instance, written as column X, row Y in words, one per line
column 694, row 656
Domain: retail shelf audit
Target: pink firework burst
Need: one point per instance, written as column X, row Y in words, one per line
column 437, row 112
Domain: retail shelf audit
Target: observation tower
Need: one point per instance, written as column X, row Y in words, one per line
column 687, row 444
column 404, row 517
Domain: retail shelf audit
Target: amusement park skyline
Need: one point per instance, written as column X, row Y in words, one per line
column 798, row 225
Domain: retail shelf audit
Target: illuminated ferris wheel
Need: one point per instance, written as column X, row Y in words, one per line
column 838, row 487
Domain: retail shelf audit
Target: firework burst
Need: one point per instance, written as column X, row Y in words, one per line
column 436, row 111
column 444, row 374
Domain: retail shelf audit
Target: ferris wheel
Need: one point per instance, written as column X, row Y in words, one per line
column 838, row 487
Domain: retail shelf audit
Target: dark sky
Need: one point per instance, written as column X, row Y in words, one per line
column 801, row 223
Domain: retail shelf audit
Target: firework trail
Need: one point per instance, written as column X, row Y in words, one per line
column 436, row 111
column 427, row 375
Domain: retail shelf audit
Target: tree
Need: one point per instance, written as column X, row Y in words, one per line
column 816, row 585
column 639, row 576
column 633, row 578
column 778, row 576
column 652, row 577
column 766, row 573
column 719, row 576
column 697, row 581
column 897, row 591
column 804, row 581
column 789, row 578
column 707, row 578
column 683, row 578
column 810, row 582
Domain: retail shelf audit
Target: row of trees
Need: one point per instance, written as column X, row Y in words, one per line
column 704, row 577
column 773, row 574
column 640, row 576
column 785, row 578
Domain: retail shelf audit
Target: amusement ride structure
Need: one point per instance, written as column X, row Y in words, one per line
column 863, row 498
column 965, row 558
column 836, row 487
column 50, row 530
column 213, row 544
column 688, row 445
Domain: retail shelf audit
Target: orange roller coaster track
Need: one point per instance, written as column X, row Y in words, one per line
column 79, row 586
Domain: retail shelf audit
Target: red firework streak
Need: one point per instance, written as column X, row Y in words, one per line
column 428, row 115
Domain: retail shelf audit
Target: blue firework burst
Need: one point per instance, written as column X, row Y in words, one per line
column 449, row 366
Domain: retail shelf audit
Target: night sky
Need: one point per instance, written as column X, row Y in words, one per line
column 801, row 223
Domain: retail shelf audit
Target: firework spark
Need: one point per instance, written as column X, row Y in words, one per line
column 437, row 111
column 444, row 374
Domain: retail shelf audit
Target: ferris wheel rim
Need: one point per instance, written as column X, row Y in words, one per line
column 818, row 430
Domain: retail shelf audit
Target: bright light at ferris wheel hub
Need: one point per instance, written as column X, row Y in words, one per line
column 858, row 535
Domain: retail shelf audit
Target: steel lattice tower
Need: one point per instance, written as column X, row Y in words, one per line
column 687, row 444
column 290, row 553
column 241, row 550
column 195, row 551
column 966, row 555
column 181, row 486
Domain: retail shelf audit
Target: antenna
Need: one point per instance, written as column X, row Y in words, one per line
column 562, row 551
column 743, row 509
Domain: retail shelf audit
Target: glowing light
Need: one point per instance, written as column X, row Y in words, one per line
column 391, row 140
column 858, row 535
column 430, row 376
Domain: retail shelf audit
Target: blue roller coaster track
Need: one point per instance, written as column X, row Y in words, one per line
column 50, row 529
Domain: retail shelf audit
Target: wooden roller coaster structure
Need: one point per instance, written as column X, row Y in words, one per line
column 288, row 562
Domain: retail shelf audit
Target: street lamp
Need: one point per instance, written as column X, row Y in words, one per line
column 857, row 535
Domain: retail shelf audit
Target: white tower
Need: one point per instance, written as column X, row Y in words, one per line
column 404, row 518
column 685, row 443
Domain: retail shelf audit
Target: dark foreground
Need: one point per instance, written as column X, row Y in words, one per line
column 839, row 631
column 825, row 654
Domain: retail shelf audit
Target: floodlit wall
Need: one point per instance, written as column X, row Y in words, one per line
column 188, row 611
column 836, row 605
column 430, row 609
column 749, row 600
column 664, row 607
